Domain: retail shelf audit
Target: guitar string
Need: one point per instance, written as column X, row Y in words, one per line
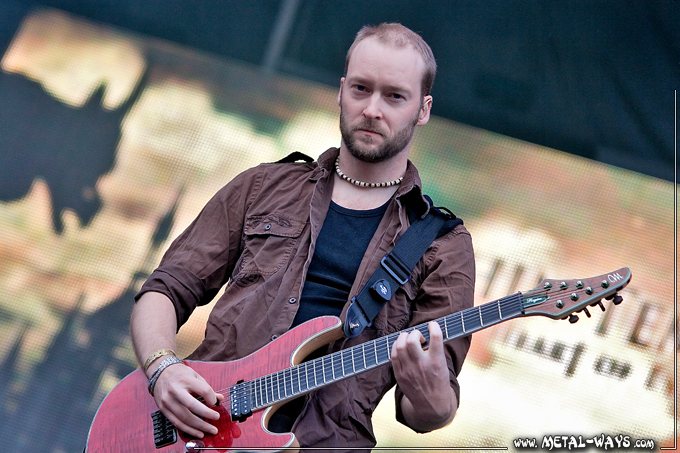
column 482, row 312
column 347, row 355
column 268, row 380
column 285, row 381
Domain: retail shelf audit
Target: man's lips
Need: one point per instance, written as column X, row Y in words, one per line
column 369, row 131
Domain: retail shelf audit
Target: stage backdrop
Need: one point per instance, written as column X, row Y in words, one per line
column 111, row 143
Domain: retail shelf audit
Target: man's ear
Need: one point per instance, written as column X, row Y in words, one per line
column 342, row 83
column 424, row 114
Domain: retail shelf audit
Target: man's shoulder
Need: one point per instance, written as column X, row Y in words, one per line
column 288, row 166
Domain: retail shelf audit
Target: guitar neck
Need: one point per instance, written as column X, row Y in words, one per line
column 300, row 379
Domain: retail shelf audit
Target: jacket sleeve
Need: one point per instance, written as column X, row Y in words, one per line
column 201, row 259
column 447, row 286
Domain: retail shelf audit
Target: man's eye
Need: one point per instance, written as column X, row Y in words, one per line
column 397, row 96
column 360, row 88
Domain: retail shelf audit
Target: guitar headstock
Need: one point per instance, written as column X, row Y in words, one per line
column 559, row 299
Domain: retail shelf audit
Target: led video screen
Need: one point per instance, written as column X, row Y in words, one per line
column 113, row 142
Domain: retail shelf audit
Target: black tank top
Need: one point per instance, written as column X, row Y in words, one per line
column 340, row 247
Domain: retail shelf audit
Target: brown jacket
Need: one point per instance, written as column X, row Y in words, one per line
column 258, row 234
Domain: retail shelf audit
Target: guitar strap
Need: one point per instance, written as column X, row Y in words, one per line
column 396, row 267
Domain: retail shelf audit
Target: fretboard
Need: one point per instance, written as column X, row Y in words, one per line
column 300, row 379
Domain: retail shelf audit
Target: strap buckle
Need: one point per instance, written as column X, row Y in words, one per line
column 393, row 265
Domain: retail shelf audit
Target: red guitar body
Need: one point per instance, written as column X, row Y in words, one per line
column 123, row 422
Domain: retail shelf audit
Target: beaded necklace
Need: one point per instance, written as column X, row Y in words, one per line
column 361, row 183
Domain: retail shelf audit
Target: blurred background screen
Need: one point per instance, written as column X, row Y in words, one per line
column 111, row 141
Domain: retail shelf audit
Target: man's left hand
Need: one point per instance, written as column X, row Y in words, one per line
column 429, row 401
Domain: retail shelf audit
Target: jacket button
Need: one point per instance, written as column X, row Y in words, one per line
column 292, row 300
column 274, row 337
column 268, row 227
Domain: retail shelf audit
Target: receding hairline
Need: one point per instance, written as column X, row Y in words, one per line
column 399, row 36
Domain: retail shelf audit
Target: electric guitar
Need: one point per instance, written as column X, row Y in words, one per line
column 128, row 420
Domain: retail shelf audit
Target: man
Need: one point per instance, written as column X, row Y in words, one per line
column 262, row 233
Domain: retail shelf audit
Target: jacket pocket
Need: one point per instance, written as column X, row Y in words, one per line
column 268, row 241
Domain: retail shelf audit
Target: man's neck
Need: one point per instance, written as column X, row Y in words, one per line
column 351, row 196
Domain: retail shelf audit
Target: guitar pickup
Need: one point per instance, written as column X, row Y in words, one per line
column 164, row 432
column 240, row 401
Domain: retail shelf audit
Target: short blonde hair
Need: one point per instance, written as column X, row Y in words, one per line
column 397, row 35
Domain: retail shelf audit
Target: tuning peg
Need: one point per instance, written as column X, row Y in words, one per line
column 599, row 302
column 585, row 310
column 573, row 318
column 617, row 299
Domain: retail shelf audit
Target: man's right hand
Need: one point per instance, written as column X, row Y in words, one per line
column 176, row 394
column 153, row 326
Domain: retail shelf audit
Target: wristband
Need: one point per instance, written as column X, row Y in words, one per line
column 155, row 355
column 164, row 364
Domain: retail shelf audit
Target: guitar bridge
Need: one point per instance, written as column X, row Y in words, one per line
column 164, row 432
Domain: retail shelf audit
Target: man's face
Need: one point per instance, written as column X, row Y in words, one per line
column 380, row 100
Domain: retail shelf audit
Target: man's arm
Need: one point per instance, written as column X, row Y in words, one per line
column 153, row 326
column 429, row 401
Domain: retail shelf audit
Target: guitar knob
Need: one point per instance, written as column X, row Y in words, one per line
column 194, row 446
column 617, row 299
column 573, row 318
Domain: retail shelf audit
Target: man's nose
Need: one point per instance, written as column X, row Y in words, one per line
column 374, row 108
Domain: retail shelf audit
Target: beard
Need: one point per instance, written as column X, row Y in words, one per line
column 363, row 150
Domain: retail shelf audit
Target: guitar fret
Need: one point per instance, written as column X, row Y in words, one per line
column 351, row 351
column 363, row 354
column 320, row 377
column 278, row 390
column 375, row 350
column 330, row 367
column 298, row 375
column 314, row 366
column 500, row 314
column 328, row 364
column 262, row 402
column 289, row 381
column 280, row 383
column 462, row 321
column 271, row 387
column 481, row 321
column 270, row 397
column 306, row 376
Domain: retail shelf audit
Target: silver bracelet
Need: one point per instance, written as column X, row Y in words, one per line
column 164, row 364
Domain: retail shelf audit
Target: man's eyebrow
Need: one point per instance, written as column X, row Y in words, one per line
column 363, row 81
